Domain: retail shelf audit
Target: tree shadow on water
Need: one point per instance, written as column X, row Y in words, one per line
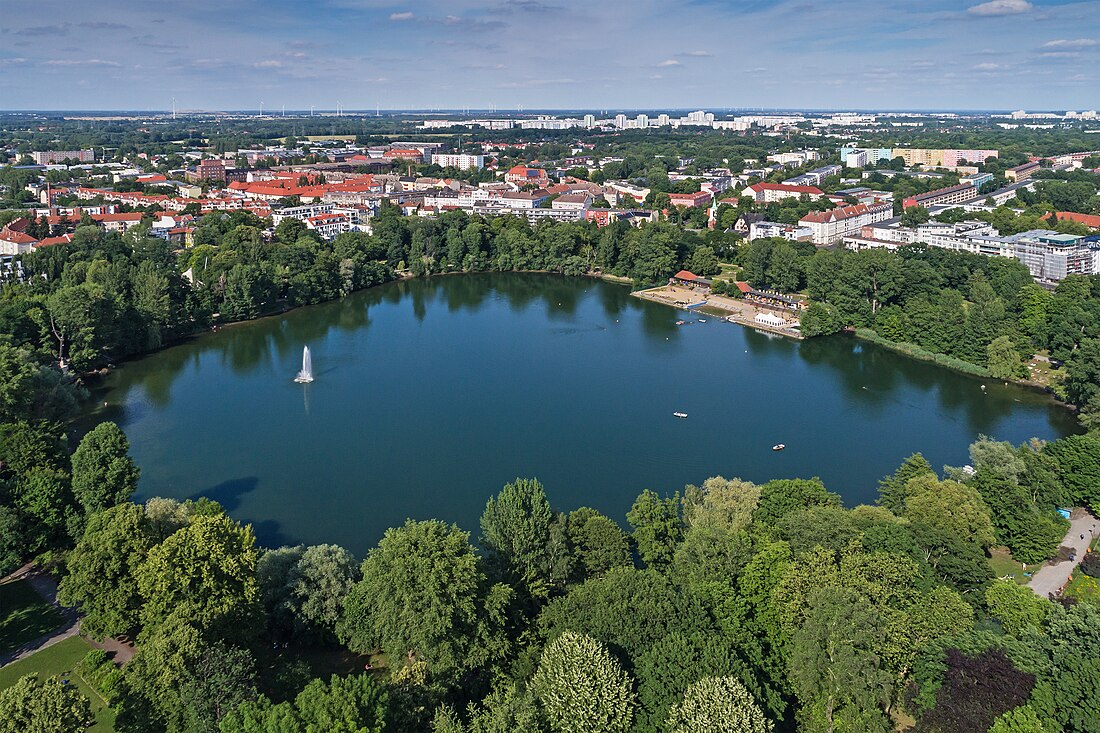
column 269, row 533
column 228, row 493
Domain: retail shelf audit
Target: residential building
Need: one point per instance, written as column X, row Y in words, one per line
column 690, row 200
column 521, row 175
column 952, row 158
column 1051, row 256
column 945, row 196
column 815, row 177
column 830, row 227
column 460, row 161
column 1022, row 172
column 764, row 229
column 769, row 192
column 579, row 201
column 48, row 157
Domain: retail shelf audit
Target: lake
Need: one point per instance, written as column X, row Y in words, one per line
column 431, row 394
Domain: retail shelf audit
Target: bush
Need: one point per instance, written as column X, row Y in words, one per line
column 93, row 660
column 1091, row 565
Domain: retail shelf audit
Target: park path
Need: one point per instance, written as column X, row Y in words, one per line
column 1050, row 579
column 46, row 586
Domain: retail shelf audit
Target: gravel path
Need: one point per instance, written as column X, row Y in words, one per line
column 1050, row 579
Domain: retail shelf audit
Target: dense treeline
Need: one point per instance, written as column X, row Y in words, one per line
column 981, row 311
column 731, row 606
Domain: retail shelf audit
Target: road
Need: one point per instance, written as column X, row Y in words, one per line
column 1051, row 578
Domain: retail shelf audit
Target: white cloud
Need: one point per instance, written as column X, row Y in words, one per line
column 82, row 62
column 407, row 15
column 667, row 63
column 1072, row 43
column 696, row 54
column 988, row 67
column 268, row 64
column 1001, row 7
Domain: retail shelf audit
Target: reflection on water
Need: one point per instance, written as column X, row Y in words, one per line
column 430, row 394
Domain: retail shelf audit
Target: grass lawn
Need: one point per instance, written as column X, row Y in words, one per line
column 1003, row 565
column 24, row 616
column 61, row 659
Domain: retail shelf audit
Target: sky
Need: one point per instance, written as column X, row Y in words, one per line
column 549, row 54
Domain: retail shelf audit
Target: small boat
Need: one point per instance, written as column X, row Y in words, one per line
column 702, row 320
column 778, row 447
column 680, row 323
column 680, row 415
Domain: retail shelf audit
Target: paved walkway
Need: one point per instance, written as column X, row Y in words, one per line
column 45, row 586
column 1050, row 579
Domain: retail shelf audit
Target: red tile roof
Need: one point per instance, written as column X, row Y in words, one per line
column 1088, row 220
column 685, row 275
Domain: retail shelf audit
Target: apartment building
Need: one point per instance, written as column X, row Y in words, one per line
column 1051, row 256
column 769, row 192
column 815, row 177
column 51, row 157
column 830, row 227
column 1022, row 172
column 794, row 233
column 942, row 196
column 461, row 161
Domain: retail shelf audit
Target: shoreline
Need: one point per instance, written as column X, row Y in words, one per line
column 643, row 294
column 717, row 311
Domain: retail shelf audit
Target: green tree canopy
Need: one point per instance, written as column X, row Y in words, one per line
column 582, row 688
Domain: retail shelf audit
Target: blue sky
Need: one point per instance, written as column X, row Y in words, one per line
column 233, row 54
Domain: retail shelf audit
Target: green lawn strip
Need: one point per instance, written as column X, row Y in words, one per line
column 1004, row 564
column 24, row 616
column 62, row 658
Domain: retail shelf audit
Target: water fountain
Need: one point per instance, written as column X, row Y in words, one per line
column 306, row 375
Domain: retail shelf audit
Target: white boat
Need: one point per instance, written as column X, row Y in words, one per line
column 680, row 415
column 778, row 447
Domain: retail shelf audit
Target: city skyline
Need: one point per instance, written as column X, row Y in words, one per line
column 550, row 54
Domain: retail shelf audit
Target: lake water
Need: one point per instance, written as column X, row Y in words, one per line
column 431, row 394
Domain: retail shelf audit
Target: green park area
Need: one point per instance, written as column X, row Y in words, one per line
column 62, row 659
column 24, row 616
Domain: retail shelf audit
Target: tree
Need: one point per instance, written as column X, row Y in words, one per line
column 582, row 688
column 949, row 506
column 1023, row 719
column 914, row 216
column 354, row 704
column 43, row 706
column 1083, row 372
column 597, row 543
column 780, row 497
column 320, row 581
column 102, row 577
column 703, row 262
column 204, row 574
column 893, row 490
column 516, row 526
column 976, row 690
column 719, row 502
column 717, row 705
column 220, row 680
column 1078, row 458
column 423, row 597
column 1016, row 607
column 834, row 667
column 657, row 527
column 821, row 319
column 1003, row 359
column 103, row 472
